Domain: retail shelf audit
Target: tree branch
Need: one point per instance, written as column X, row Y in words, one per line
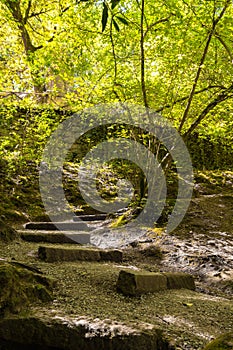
column 26, row 16
column 228, row 93
column 224, row 45
column 211, row 33
column 186, row 97
column 155, row 24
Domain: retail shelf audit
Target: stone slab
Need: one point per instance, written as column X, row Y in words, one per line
column 140, row 282
column 131, row 282
column 111, row 255
column 54, row 237
column 96, row 217
column 178, row 280
column 56, row 226
column 53, row 254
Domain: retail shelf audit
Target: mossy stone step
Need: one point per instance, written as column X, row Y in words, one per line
column 56, row 226
column 95, row 217
column 178, row 280
column 131, row 282
column 53, row 254
column 54, row 237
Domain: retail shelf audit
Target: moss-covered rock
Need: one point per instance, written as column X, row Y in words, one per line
column 82, row 334
column 7, row 233
column 20, row 286
column 131, row 282
column 178, row 280
column 223, row 342
column 55, row 253
column 139, row 282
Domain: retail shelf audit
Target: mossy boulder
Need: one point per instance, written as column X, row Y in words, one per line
column 7, row 233
column 21, row 286
column 83, row 334
column 223, row 342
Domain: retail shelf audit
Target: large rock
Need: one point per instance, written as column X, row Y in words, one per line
column 139, row 282
column 131, row 282
column 223, row 342
column 21, row 285
column 82, row 334
column 53, row 254
column 7, row 233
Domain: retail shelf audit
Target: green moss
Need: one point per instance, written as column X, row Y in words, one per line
column 120, row 221
column 7, row 233
column 223, row 342
column 20, row 287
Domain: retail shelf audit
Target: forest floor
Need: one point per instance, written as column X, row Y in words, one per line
column 202, row 245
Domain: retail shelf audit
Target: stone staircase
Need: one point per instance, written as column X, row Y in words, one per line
column 68, row 241
column 73, row 232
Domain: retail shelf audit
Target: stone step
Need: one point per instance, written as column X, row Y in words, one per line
column 131, row 282
column 96, row 217
column 54, row 254
column 56, row 226
column 54, row 237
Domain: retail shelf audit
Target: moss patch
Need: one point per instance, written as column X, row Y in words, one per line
column 20, row 287
column 223, row 342
column 7, row 233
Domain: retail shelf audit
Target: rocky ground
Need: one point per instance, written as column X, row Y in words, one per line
column 85, row 293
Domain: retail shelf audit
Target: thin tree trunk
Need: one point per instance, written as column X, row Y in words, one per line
column 143, row 84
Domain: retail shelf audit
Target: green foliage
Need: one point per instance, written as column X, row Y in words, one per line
column 64, row 56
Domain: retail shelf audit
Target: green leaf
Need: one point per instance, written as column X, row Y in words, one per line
column 116, row 25
column 104, row 17
column 114, row 3
column 123, row 20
